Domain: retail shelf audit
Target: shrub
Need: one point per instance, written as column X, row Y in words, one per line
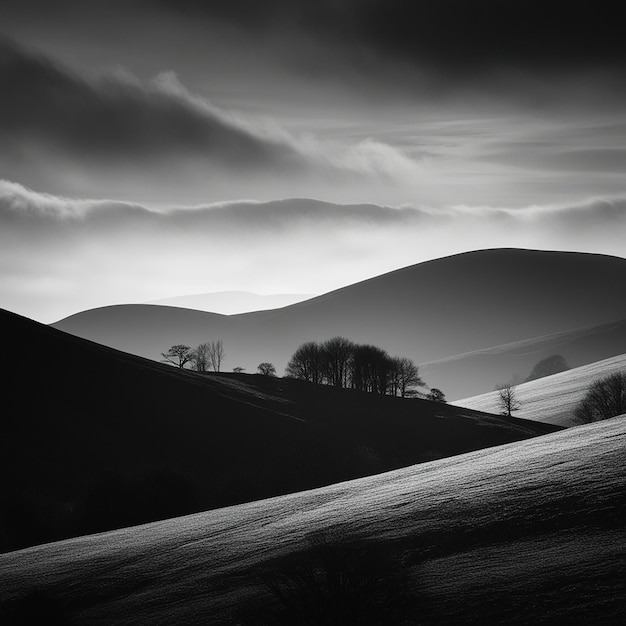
column 604, row 399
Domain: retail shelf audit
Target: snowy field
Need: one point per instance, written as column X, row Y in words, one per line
column 529, row 532
column 551, row 399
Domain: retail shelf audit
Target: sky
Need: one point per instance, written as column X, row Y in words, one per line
column 158, row 148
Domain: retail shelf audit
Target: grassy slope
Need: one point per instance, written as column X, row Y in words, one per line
column 426, row 312
column 530, row 532
column 93, row 410
column 551, row 399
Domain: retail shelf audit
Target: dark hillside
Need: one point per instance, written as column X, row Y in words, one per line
column 94, row 438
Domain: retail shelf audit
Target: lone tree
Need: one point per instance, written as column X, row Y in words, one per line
column 178, row 355
column 267, row 369
column 604, row 399
column 507, row 399
column 238, row 370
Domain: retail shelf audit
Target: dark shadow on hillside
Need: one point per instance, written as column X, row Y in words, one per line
column 337, row 581
column 116, row 501
column 35, row 608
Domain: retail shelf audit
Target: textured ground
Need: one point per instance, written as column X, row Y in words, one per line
column 525, row 533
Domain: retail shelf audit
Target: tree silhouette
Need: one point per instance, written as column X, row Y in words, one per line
column 548, row 366
column 306, row 363
column 371, row 369
column 604, row 399
column 436, row 395
column 216, row 354
column 507, row 398
column 342, row 363
column 404, row 376
column 336, row 355
column 178, row 355
column 266, row 369
column 238, row 370
column 200, row 357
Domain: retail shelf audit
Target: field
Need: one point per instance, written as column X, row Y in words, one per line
column 525, row 533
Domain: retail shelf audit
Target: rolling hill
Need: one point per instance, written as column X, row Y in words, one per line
column 526, row 533
column 474, row 372
column 551, row 399
column 94, row 438
column 427, row 312
column 233, row 302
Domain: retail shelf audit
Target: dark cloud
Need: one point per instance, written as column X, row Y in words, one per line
column 458, row 36
column 455, row 37
column 117, row 117
column 112, row 134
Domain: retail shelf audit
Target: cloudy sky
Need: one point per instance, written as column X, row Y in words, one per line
column 157, row 148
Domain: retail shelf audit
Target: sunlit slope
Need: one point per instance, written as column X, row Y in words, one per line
column 426, row 312
column 552, row 399
column 528, row 532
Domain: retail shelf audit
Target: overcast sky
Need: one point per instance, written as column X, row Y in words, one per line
column 150, row 149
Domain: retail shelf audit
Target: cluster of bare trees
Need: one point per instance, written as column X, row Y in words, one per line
column 204, row 358
column 342, row 363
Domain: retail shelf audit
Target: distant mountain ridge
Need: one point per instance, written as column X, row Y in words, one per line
column 233, row 302
column 427, row 312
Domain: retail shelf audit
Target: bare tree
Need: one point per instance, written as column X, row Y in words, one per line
column 404, row 376
column 178, row 355
column 371, row 369
column 306, row 363
column 507, row 399
column 604, row 399
column 216, row 354
column 342, row 363
column 200, row 357
column 336, row 356
column 238, row 370
column 267, row 369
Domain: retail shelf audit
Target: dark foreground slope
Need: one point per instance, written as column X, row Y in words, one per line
column 426, row 312
column 94, row 439
column 527, row 533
